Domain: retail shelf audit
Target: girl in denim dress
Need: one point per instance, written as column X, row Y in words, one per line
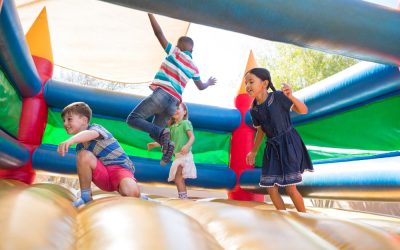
column 285, row 155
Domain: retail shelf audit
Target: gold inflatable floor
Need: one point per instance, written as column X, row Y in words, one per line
column 41, row 216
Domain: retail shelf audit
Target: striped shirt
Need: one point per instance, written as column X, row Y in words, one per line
column 106, row 148
column 175, row 71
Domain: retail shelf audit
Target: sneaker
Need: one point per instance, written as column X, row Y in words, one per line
column 79, row 202
column 165, row 139
column 167, row 155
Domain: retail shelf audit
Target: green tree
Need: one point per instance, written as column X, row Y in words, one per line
column 301, row 67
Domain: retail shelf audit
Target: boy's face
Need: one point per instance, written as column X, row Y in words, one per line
column 75, row 123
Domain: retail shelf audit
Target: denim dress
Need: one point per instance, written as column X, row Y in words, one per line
column 285, row 155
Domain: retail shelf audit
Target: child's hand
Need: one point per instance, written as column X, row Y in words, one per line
column 152, row 145
column 250, row 158
column 184, row 150
column 287, row 90
column 211, row 81
column 63, row 147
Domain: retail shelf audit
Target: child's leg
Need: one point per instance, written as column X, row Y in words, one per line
column 129, row 187
column 159, row 102
column 276, row 198
column 137, row 118
column 86, row 163
column 180, row 183
column 162, row 105
column 161, row 120
column 296, row 198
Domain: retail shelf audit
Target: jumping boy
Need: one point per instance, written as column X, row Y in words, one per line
column 168, row 86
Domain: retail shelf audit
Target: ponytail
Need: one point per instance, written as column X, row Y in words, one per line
column 263, row 74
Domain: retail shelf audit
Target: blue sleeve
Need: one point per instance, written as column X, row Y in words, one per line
column 283, row 100
column 78, row 147
column 256, row 122
column 101, row 130
column 168, row 48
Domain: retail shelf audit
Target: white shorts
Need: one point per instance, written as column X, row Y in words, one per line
column 188, row 167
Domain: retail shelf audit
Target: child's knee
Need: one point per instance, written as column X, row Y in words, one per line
column 132, row 119
column 128, row 187
column 179, row 180
column 87, row 158
column 178, row 176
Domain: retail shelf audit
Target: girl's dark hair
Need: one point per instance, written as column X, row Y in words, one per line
column 263, row 74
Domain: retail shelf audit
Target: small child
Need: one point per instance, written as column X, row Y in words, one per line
column 182, row 135
column 168, row 86
column 100, row 158
column 285, row 156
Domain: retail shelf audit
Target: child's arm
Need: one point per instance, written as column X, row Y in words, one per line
column 83, row 136
column 200, row 85
column 298, row 105
column 152, row 145
column 158, row 31
column 186, row 147
column 257, row 142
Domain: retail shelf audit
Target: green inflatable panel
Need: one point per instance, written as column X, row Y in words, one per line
column 10, row 106
column 209, row 147
column 367, row 130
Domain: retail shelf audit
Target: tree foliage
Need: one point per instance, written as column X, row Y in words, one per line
column 300, row 67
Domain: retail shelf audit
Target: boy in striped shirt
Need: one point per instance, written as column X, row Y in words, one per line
column 100, row 158
column 168, row 86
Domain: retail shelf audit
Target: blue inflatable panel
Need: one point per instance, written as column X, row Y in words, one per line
column 214, row 118
column 208, row 176
column 46, row 158
column 119, row 105
column 13, row 154
column 357, row 29
column 248, row 120
column 15, row 58
column 358, row 85
column 342, row 178
column 358, row 158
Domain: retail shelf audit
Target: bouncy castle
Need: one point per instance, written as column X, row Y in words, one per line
column 352, row 132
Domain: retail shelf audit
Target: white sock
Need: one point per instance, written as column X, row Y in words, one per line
column 182, row 195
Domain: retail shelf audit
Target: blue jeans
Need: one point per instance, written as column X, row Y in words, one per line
column 160, row 104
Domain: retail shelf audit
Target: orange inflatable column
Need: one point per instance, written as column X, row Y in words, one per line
column 242, row 141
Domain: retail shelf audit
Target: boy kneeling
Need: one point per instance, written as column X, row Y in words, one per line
column 100, row 158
